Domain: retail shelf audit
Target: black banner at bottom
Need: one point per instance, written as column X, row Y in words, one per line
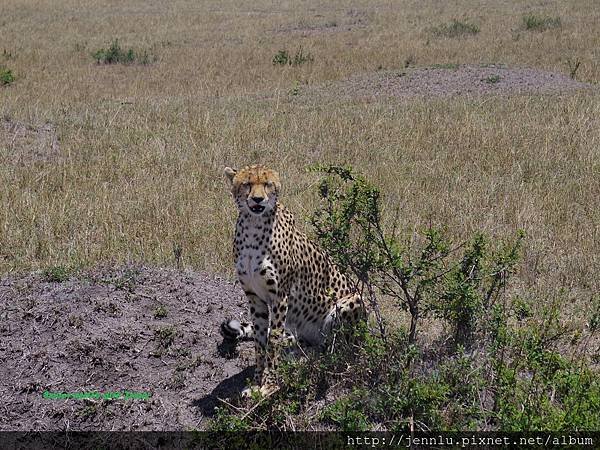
column 293, row 440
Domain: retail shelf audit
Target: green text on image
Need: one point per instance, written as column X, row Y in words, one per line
column 119, row 395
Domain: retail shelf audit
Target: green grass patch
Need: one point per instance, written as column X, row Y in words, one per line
column 284, row 58
column 6, row 77
column 56, row 274
column 117, row 55
column 455, row 29
column 492, row 79
column 537, row 23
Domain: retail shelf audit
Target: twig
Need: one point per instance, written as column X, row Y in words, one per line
column 229, row 404
column 260, row 402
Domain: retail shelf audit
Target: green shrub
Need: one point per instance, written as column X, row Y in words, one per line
column 537, row 388
column 223, row 420
column 455, row 29
column 165, row 336
column 348, row 413
column 56, row 274
column 6, row 76
column 116, row 55
column 422, row 277
column 295, row 90
column 160, row 312
column 492, row 79
column 283, row 58
column 545, row 391
column 536, row 23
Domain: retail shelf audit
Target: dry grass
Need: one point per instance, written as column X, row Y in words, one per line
column 142, row 147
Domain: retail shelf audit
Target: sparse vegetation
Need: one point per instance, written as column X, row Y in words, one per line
column 283, row 58
column 449, row 66
column 537, row 23
column 75, row 321
column 295, row 90
column 573, row 67
column 126, row 280
column 89, row 411
column 410, row 61
column 177, row 380
column 178, row 253
column 56, row 274
column 493, row 79
column 160, row 312
column 6, row 76
column 6, row 54
column 116, row 55
column 455, row 29
column 189, row 364
column 164, row 337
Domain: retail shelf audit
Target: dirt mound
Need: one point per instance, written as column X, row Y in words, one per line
column 450, row 81
column 22, row 143
column 121, row 333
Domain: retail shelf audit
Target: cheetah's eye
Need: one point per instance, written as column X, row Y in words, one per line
column 269, row 184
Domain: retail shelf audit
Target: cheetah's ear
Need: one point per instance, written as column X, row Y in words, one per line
column 230, row 173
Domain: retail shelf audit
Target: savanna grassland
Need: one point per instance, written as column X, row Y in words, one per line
column 122, row 163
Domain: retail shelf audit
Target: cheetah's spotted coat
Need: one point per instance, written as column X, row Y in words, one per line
column 294, row 289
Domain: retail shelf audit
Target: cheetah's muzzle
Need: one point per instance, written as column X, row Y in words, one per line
column 257, row 209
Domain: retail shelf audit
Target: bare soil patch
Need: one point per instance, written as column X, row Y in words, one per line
column 22, row 143
column 351, row 21
column 109, row 330
column 450, row 81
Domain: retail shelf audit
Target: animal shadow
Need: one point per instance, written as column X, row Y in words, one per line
column 228, row 349
column 226, row 388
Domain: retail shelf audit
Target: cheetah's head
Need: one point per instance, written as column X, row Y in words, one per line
column 254, row 188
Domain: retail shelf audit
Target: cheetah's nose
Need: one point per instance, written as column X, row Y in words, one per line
column 258, row 199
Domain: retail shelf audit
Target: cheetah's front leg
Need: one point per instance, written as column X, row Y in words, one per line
column 276, row 342
column 260, row 324
column 270, row 346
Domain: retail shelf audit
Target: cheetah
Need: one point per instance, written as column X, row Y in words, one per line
column 295, row 291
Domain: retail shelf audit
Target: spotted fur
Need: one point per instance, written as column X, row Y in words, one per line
column 294, row 289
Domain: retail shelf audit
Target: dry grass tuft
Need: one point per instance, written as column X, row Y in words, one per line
column 24, row 144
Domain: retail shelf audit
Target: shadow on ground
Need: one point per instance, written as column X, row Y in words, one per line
column 225, row 389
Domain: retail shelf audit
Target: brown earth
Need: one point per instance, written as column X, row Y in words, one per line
column 103, row 331
column 447, row 81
